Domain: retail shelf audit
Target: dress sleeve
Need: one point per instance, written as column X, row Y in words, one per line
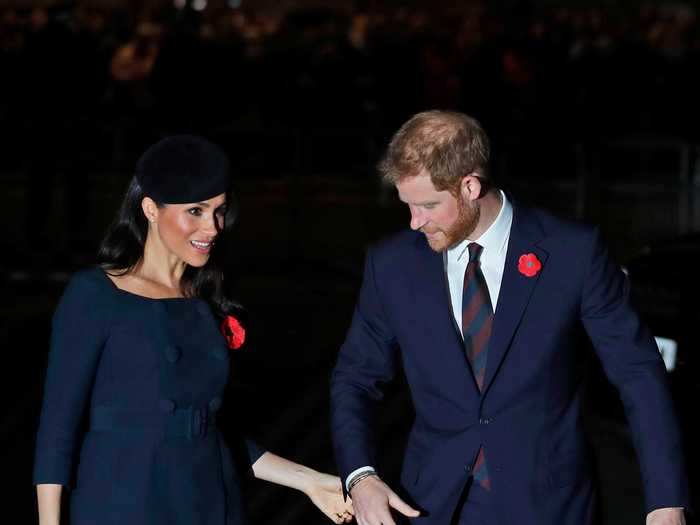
column 78, row 334
column 254, row 451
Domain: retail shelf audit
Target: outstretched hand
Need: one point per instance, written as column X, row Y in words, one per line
column 326, row 492
column 373, row 501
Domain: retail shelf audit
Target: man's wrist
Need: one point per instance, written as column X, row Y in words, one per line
column 361, row 476
column 351, row 475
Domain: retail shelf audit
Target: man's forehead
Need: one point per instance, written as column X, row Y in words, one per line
column 417, row 188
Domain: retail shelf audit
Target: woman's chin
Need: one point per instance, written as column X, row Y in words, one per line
column 197, row 260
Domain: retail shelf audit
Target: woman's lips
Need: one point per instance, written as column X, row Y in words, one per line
column 201, row 246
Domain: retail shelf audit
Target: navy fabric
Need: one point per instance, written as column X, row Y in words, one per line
column 477, row 507
column 528, row 416
column 473, row 513
column 148, row 374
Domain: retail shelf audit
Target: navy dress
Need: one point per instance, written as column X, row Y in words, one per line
column 149, row 375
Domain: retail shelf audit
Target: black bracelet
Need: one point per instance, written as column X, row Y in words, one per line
column 362, row 475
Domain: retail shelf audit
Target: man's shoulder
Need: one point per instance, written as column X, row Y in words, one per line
column 396, row 251
column 397, row 244
column 555, row 227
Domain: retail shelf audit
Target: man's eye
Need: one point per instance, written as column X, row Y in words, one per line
column 429, row 206
column 196, row 211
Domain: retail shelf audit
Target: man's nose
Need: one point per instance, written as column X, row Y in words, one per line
column 417, row 219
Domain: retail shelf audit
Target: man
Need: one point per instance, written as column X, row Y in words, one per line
column 481, row 302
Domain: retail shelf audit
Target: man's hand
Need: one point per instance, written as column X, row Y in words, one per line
column 667, row 516
column 373, row 499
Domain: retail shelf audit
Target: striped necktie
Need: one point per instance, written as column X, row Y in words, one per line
column 477, row 320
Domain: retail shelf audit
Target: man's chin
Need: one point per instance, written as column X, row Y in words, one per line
column 443, row 242
column 437, row 245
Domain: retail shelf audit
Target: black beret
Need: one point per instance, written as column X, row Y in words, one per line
column 182, row 169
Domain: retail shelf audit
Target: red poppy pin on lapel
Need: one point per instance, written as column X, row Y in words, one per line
column 529, row 265
column 233, row 331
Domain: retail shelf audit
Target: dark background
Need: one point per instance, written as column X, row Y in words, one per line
column 592, row 112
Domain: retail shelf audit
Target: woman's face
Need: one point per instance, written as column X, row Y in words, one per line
column 187, row 231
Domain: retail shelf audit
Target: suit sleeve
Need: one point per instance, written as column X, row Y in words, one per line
column 632, row 362
column 366, row 360
column 78, row 334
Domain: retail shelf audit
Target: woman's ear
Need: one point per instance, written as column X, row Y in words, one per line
column 150, row 209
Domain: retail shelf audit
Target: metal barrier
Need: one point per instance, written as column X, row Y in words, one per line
column 654, row 171
column 655, row 180
column 639, row 188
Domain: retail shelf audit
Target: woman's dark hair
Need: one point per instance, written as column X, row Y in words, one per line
column 123, row 245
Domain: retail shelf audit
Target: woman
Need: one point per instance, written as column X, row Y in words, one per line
column 136, row 346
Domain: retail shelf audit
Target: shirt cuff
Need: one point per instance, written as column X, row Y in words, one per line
column 355, row 473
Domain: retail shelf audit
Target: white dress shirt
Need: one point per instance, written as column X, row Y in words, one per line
column 493, row 259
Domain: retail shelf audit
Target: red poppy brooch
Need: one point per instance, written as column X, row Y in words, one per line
column 233, row 332
column 529, row 265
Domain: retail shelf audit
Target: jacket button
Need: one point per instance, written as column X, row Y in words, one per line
column 172, row 354
column 215, row 404
column 167, row 405
column 468, row 468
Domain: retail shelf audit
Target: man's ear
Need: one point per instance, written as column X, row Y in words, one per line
column 471, row 187
column 150, row 209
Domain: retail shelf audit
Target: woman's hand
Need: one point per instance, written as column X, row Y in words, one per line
column 326, row 492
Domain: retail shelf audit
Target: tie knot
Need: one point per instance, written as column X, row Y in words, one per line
column 474, row 251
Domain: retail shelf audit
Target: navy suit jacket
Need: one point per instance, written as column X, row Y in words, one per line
column 528, row 417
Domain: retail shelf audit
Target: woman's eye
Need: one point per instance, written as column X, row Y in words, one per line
column 221, row 212
column 196, row 211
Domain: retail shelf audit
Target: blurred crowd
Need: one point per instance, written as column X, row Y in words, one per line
column 81, row 83
column 189, row 65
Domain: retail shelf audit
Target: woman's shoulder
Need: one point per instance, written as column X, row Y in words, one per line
column 87, row 297
column 90, row 284
column 91, row 278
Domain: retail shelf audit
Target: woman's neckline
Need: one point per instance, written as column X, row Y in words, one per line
column 145, row 297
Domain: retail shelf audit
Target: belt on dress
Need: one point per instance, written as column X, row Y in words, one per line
column 189, row 422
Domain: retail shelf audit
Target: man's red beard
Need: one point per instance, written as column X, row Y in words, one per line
column 464, row 225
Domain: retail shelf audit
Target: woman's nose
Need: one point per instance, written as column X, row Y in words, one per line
column 210, row 226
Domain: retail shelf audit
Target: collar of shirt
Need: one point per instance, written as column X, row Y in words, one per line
column 494, row 240
column 493, row 258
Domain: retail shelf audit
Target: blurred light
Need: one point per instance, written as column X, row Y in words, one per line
column 180, row 4
column 235, row 4
column 668, row 349
column 199, row 5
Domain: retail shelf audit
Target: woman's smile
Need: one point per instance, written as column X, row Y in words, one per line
column 202, row 246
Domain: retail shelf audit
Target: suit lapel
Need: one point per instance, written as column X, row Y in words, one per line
column 432, row 291
column 516, row 288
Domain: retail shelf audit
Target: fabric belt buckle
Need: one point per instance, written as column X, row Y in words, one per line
column 199, row 421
